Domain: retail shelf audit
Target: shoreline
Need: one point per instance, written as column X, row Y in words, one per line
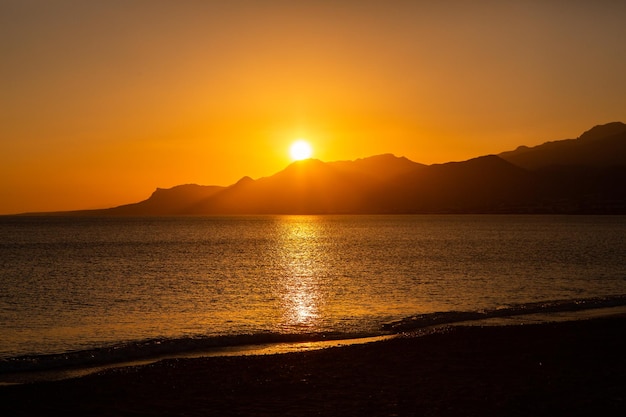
column 276, row 348
column 565, row 368
column 587, row 310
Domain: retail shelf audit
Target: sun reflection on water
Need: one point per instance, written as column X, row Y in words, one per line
column 300, row 291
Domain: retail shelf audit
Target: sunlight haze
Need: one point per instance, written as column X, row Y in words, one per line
column 103, row 102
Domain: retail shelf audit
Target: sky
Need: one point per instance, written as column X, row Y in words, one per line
column 101, row 102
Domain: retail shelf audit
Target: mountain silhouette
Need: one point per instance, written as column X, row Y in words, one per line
column 310, row 186
column 164, row 202
column 583, row 175
column 601, row 146
column 484, row 184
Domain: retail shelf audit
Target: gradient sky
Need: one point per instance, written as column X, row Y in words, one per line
column 103, row 101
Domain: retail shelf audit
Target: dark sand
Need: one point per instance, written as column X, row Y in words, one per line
column 565, row 369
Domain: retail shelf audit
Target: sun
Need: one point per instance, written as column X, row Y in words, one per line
column 300, row 149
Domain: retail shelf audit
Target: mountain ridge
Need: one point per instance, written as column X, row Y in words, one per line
column 577, row 176
column 598, row 146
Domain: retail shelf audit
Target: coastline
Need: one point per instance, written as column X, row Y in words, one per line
column 79, row 363
column 566, row 368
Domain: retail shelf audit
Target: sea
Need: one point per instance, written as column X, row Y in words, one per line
column 87, row 292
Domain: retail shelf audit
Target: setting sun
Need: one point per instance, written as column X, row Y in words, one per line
column 300, row 149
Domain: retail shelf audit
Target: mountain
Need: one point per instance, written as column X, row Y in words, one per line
column 484, row 184
column 164, row 202
column 311, row 186
column 583, row 175
column 601, row 146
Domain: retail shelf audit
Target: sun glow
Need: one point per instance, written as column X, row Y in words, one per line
column 300, row 149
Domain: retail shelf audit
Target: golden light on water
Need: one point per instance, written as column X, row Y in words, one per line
column 299, row 289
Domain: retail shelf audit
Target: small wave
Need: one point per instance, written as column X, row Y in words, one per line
column 154, row 348
column 162, row 347
column 556, row 306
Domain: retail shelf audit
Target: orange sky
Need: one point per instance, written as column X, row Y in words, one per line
column 103, row 101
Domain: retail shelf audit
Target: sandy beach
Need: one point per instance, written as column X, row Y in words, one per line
column 570, row 369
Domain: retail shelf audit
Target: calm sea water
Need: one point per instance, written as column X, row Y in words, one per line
column 79, row 284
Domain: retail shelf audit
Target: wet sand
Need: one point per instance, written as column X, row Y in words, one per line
column 570, row 369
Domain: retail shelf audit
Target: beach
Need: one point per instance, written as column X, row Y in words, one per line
column 570, row 368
